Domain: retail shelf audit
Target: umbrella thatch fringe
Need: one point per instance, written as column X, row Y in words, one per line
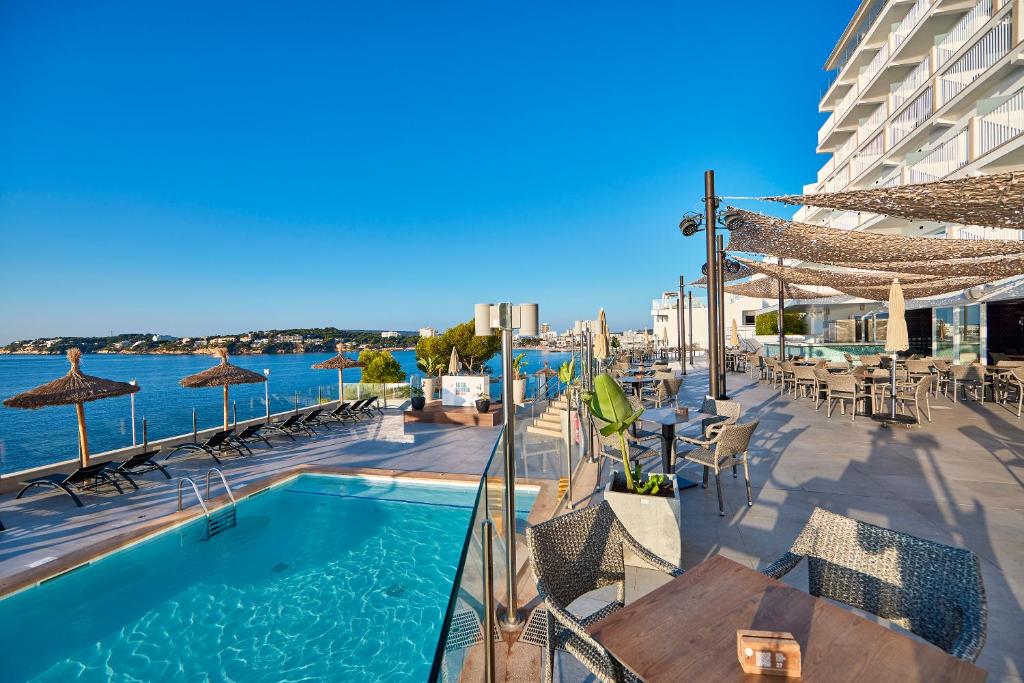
column 223, row 374
column 70, row 389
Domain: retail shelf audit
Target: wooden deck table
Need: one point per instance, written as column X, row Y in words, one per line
column 686, row 631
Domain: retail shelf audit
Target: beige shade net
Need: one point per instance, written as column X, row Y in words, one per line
column 995, row 267
column 768, row 288
column 995, row 200
column 760, row 234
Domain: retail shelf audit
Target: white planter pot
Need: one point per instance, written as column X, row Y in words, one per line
column 429, row 388
column 519, row 391
column 654, row 521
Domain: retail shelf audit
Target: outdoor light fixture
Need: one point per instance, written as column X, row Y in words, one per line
column 505, row 318
column 266, row 391
column 690, row 224
column 132, row 396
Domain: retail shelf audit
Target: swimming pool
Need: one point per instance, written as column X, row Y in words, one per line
column 323, row 578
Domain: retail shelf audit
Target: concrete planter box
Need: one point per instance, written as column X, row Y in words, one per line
column 519, row 391
column 654, row 521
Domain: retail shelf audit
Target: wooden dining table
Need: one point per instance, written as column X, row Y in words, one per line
column 686, row 629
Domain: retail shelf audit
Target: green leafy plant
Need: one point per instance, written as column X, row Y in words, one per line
column 473, row 351
column 415, row 391
column 608, row 403
column 380, row 367
column 519, row 366
column 433, row 366
column 567, row 372
column 768, row 323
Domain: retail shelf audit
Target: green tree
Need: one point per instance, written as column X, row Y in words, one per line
column 473, row 351
column 380, row 367
column 768, row 323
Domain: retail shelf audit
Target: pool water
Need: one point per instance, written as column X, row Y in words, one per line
column 323, row 578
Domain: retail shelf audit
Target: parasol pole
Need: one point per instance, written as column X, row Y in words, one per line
column 83, row 437
column 226, row 407
column 341, row 385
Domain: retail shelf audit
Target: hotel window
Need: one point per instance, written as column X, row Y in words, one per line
column 970, row 334
column 749, row 317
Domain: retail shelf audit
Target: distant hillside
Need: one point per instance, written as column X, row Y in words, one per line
column 299, row 340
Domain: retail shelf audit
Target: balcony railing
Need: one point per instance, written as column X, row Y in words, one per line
column 871, row 153
column 869, row 126
column 847, row 220
column 910, row 22
column 905, row 89
column 844, row 150
column 838, row 181
column 876, row 64
column 847, row 101
column 826, row 127
column 948, row 157
column 962, row 31
column 911, row 117
column 826, row 170
column 1002, row 124
column 992, row 47
column 977, row 232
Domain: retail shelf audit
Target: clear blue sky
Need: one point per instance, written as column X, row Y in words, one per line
column 216, row 167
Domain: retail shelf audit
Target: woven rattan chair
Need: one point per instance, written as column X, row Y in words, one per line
column 843, row 388
column 788, row 370
column 943, row 375
column 918, row 369
column 930, row 589
column 1013, row 384
column 668, row 391
column 971, row 379
column 803, row 380
column 918, row 392
column 728, row 448
column 720, row 413
column 571, row 556
column 871, row 361
column 821, row 377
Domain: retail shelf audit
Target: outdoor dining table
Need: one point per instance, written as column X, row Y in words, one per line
column 637, row 382
column 668, row 418
column 685, row 630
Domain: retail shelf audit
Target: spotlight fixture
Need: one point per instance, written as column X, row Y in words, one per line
column 731, row 219
column 691, row 224
column 733, row 266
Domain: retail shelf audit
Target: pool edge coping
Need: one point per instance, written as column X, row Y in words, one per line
column 81, row 557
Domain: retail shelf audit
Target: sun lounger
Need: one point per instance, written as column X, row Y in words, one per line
column 251, row 434
column 312, row 419
column 372, row 403
column 341, row 413
column 289, row 427
column 140, row 463
column 84, row 478
column 220, row 442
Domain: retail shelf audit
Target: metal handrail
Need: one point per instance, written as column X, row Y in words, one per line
column 223, row 480
column 181, row 482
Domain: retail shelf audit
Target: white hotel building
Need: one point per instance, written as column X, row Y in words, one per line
column 926, row 90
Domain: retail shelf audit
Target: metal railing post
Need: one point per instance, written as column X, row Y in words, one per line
column 486, row 531
column 681, row 326
column 512, row 620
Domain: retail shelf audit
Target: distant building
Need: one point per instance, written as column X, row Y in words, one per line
column 389, row 334
column 544, row 329
column 163, row 338
column 222, row 340
column 288, row 339
column 427, row 332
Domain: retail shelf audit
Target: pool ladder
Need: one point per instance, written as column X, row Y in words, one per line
column 221, row 518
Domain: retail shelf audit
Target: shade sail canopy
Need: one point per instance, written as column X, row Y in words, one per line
column 836, row 279
column 339, row 362
column 760, row 234
column 896, row 330
column 995, row 267
column 221, row 375
column 74, row 387
column 991, row 200
column 768, row 288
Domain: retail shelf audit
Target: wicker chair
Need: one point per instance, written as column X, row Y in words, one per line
column 970, row 378
column 918, row 369
column 844, row 388
column 788, row 378
column 668, row 391
column 943, row 375
column 728, row 448
column 871, row 361
column 928, row 588
column 821, row 378
column 1013, row 381
column 570, row 556
column 804, row 380
column 919, row 392
column 721, row 413
column 609, row 446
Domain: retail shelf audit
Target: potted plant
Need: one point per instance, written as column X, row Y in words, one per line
column 417, row 399
column 648, row 505
column 433, row 367
column 519, row 379
column 483, row 403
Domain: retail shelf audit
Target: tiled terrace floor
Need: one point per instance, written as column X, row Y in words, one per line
column 957, row 480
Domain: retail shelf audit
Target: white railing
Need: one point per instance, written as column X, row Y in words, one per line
column 869, row 126
column 1002, row 124
column 992, row 47
column 847, row 220
column 893, row 179
column 962, row 31
column 876, row 64
column 826, row 127
column 844, row 150
column 950, row 156
column 847, row 101
column 826, row 170
column 977, row 232
column 871, row 153
column 905, row 89
column 910, row 22
column 838, row 181
column 911, row 117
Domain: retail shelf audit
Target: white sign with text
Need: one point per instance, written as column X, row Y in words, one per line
column 463, row 391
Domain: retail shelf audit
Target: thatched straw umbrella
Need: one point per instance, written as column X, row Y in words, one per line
column 339, row 363
column 75, row 389
column 222, row 375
